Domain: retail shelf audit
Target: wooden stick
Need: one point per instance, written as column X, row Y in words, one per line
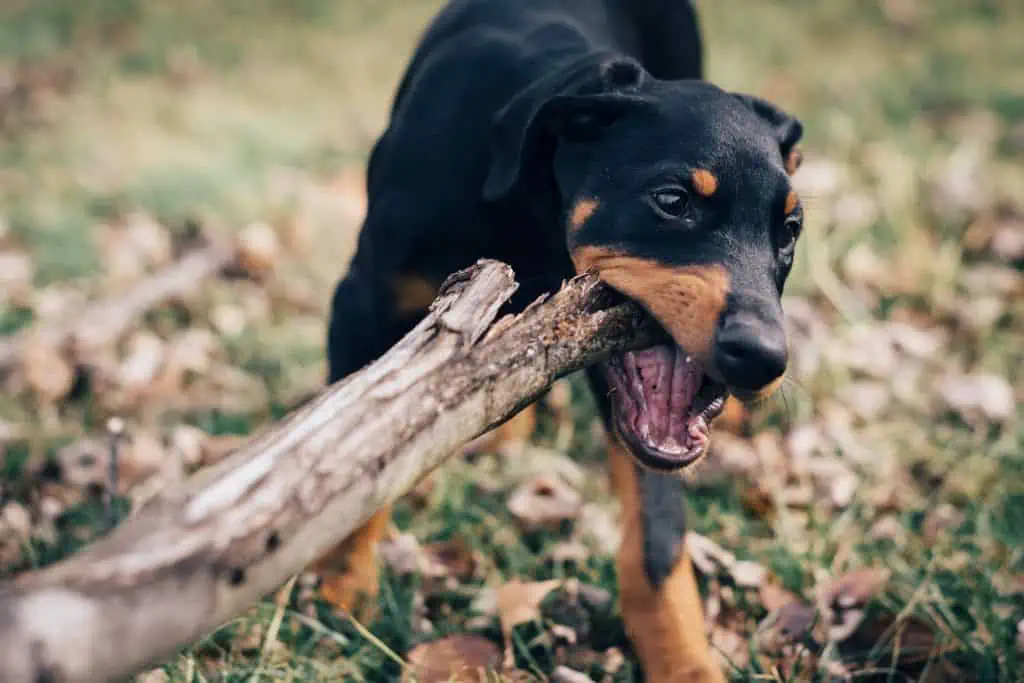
column 200, row 555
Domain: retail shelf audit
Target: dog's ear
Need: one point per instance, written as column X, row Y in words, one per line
column 576, row 102
column 788, row 129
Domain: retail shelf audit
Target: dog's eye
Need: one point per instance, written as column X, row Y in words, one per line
column 669, row 201
column 790, row 232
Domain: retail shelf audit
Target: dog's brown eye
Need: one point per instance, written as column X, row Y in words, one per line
column 669, row 201
column 790, row 232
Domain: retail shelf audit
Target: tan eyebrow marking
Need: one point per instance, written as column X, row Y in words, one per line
column 704, row 182
column 581, row 212
column 791, row 202
column 793, row 160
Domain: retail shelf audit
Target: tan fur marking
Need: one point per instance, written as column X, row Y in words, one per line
column 413, row 293
column 665, row 624
column 687, row 301
column 791, row 202
column 733, row 418
column 704, row 182
column 754, row 397
column 581, row 213
column 350, row 572
column 793, row 160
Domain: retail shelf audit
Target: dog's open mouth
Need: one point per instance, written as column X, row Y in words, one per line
column 663, row 405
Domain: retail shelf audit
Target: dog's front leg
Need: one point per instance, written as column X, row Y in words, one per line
column 661, row 605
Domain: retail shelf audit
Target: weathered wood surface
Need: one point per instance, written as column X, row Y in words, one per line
column 202, row 554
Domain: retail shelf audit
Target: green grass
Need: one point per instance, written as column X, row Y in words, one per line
column 226, row 114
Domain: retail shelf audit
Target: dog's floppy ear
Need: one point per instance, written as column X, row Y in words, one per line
column 575, row 102
column 788, row 129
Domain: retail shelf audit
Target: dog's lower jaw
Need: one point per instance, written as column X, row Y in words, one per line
column 663, row 404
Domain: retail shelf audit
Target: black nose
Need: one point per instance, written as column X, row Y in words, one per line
column 750, row 353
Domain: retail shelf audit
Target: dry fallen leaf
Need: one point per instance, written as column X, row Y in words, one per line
column 941, row 519
column 144, row 355
column 868, row 400
column 402, row 553
column 46, row 370
column 153, row 676
column 16, row 274
column 15, row 521
column 980, row 394
column 450, row 558
column 258, row 249
column 230, row 320
column 855, row 588
column 84, row 463
column 519, row 603
column 792, row 624
column 775, row 597
column 563, row 674
column 748, row 574
column 188, row 442
column 848, row 595
column 460, row 657
column 544, row 502
column 599, row 526
column 708, row 557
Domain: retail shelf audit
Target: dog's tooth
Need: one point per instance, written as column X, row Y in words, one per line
column 679, row 398
column 671, row 445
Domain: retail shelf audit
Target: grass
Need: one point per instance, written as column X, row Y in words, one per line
column 229, row 114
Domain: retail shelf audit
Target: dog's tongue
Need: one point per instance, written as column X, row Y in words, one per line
column 664, row 383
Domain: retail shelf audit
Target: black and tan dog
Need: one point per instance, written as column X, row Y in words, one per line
column 562, row 136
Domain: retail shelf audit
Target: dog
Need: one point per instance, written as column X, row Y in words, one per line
column 566, row 136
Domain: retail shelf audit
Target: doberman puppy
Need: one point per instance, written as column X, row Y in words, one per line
column 564, row 136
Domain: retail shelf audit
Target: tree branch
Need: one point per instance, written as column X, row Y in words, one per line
column 202, row 554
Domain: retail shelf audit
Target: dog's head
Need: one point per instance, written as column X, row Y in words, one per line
column 678, row 195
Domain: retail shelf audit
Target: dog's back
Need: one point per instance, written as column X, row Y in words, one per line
column 473, row 58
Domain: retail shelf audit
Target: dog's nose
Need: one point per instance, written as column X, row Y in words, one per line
column 750, row 353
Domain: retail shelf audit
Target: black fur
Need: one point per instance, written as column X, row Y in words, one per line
column 509, row 112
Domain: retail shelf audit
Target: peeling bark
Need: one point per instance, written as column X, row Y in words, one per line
column 203, row 553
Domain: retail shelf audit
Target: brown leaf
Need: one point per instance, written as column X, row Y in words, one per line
column 16, row 274
column 144, row 355
column 85, row 463
column 15, row 521
column 519, row 602
column 188, row 442
column 748, row 574
column 450, row 558
column 980, row 394
column 46, row 370
column 460, row 657
column 708, row 557
column 730, row 648
column 402, row 553
column 867, row 399
column 563, row 674
column 940, row 519
column 544, row 502
column 856, row 588
column 599, row 526
column 258, row 249
column 153, row 676
column 774, row 597
column 1008, row 240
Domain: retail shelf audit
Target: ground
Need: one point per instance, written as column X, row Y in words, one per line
column 885, row 484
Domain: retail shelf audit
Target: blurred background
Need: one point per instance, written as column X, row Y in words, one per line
column 868, row 521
